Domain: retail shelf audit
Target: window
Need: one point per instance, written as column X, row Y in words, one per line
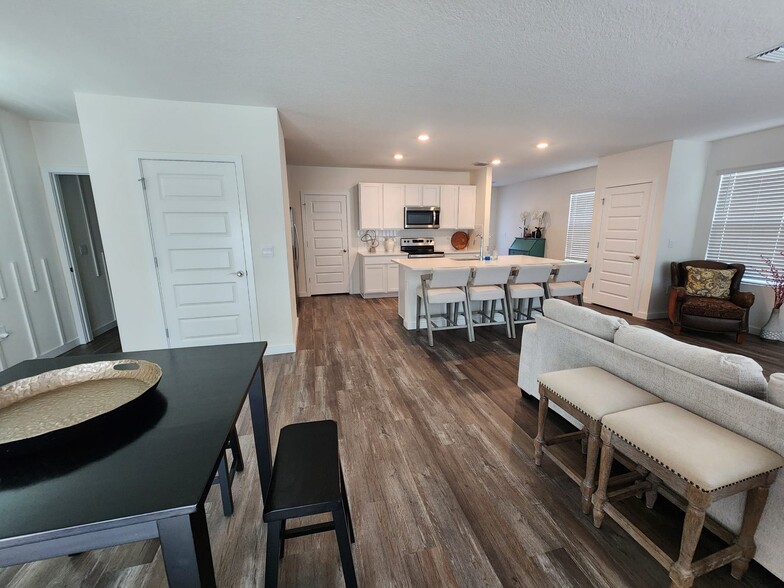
column 578, row 230
column 748, row 222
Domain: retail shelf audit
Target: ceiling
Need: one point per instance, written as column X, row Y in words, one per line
column 357, row 80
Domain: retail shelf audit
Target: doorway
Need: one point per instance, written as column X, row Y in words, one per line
column 624, row 223
column 325, row 218
column 84, row 254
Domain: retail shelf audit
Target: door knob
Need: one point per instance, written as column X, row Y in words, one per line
column 239, row 274
column 636, row 256
column 344, row 251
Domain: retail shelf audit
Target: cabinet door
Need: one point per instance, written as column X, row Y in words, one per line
column 374, row 278
column 466, row 207
column 370, row 206
column 448, row 207
column 413, row 195
column 431, row 195
column 394, row 197
column 393, row 272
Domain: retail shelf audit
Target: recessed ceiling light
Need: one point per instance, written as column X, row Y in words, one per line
column 424, row 137
column 496, row 161
column 542, row 145
column 398, row 156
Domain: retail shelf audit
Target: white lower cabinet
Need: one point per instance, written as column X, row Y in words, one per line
column 379, row 275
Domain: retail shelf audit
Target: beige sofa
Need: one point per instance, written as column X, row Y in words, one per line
column 729, row 390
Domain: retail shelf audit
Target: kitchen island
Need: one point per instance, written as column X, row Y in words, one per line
column 411, row 270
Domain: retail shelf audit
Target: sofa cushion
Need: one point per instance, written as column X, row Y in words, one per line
column 712, row 307
column 703, row 281
column 728, row 369
column 583, row 319
column 776, row 390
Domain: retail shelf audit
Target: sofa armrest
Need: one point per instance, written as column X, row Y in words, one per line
column 677, row 295
column 742, row 299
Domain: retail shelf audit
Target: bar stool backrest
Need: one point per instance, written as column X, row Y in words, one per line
column 533, row 274
column 573, row 272
column 491, row 276
column 450, row 277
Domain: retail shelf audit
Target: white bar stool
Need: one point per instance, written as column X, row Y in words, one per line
column 488, row 284
column 567, row 281
column 526, row 283
column 444, row 286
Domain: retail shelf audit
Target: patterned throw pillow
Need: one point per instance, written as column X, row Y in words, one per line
column 713, row 283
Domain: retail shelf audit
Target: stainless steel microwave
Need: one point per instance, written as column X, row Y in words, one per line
column 421, row 217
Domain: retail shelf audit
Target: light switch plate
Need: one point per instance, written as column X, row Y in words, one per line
column 267, row 251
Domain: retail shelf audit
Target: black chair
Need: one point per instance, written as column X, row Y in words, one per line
column 225, row 474
column 307, row 480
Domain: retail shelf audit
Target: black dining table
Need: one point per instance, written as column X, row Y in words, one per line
column 141, row 472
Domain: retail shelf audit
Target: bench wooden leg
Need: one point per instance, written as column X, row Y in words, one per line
column 594, row 430
column 344, row 546
column 539, row 441
column 755, row 504
column 273, row 554
column 653, row 492
column 682, row 572
column 600, row 496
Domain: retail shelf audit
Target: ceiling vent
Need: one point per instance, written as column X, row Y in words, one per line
column 774, row 55
column 481, row 164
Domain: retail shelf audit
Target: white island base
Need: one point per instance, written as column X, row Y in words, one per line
column 411, row 270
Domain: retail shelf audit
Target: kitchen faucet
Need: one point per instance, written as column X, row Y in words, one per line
column 481, row 245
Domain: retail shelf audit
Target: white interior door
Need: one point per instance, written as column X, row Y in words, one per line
column 197, row 231
column 325, row 218
column 616, row 268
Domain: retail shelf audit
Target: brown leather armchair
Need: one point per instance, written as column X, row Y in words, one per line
column 716, row 315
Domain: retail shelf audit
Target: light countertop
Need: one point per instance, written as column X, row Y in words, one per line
column 381, row 253
column 429, row 263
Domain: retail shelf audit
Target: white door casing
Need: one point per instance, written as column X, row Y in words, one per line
column 199, row 236
column 325, row 220
column 616, row 267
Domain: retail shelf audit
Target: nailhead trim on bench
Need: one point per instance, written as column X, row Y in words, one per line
column 577, row 408
column 664, row 465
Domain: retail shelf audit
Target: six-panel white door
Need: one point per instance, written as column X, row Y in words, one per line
column 616, row 268
column 198, row 242
column 326, row 243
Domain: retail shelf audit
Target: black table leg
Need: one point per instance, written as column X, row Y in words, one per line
column 185, row 541
column 257, row 397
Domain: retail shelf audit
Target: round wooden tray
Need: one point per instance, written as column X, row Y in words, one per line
column 460, row 240
column 59, row 399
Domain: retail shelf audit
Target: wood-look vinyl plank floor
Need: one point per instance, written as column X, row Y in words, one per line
column 438, row 457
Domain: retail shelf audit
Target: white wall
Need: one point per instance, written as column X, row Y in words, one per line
column 59, row 146
column 345, row 179
column 750, row 150
column 116, row 130
column 33, row 300
column 550, row 193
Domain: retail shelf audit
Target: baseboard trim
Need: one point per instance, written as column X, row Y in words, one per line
column 650, row 316
column 107, row 327
column 281, row 349
column 60, row 350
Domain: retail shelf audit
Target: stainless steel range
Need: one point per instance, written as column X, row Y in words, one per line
column 420, row 247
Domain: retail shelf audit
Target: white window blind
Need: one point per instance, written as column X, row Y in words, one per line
column 748, row 222
column 578, row 230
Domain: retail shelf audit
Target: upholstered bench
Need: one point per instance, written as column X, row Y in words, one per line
column 588, row 394
column 698, row 460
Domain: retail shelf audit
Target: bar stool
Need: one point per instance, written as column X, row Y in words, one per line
column 526, row 283
column 567, row 281
column 488, row 284
column 444, row 286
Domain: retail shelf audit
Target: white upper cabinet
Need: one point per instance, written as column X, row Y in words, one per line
column 466, row 207
column 370, row 207
column 449, row 201
column 393, row 204
column 413, row 195
column 431, row 195
column 381, row 205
